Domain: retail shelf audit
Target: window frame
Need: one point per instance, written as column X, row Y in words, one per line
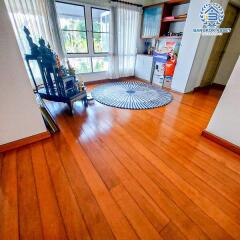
column 86, row 31
column 89, row 34
column 98, row 32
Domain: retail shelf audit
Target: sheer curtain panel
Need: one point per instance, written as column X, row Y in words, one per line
column 125, row 31
column 39, row 16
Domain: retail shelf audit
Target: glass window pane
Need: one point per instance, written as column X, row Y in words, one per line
column 81, row 65
column 100, row 64
column 75, row 42
column 71, row 17
column 100, row 19
column 101, row 42
column 152, row 21
column 72, row 23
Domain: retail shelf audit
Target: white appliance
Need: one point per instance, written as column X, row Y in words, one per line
column 158, row 74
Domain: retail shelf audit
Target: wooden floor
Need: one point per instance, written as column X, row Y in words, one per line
column 121, row 174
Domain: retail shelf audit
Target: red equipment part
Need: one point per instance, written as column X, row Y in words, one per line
column 170, row 66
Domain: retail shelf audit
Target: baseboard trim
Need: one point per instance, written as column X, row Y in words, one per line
column 211, row 86
column 107, row 80
column 221, row 141
column 218, row 86
column 24, row 141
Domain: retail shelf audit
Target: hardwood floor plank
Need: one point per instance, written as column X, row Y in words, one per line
column 8, row 197
column 228, row 188
column 118, row 222
column 94, row 218
column 215, row 151
column 187, row 139
column 121, row 174
column 183, row 116
column 171, row 232
column 159, row 197
column 30, row 226
column 141, row 225
column 147, row 205
column 202, row 144
column 1, row 163
column 224, row 156
column 72, row 217
column 207, row 206
column 97, row 158
column 52, row 222
column 209, row 226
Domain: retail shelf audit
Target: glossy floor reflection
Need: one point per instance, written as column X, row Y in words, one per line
column 122, row 174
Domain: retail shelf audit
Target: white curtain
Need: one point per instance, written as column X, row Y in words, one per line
column 125, row 32
column 40, row 17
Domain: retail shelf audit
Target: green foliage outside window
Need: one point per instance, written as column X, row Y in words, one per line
column 75, row 41
column 74, row 34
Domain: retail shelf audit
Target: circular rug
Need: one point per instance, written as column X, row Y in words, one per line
column 131, row 95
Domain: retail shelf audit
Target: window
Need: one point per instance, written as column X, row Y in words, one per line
column 81, row 65
column 100, row 20
column 85, row 33
column 73, row 27
column 100, row 64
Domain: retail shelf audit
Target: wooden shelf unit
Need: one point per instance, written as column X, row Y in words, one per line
column 176, row 37
column 177, row 1
column 169, row 2
column 166, row 12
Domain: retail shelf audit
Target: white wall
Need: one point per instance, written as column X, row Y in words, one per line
column 203, row 53
column 19, row 114
column 89, row 77
column 194, row 52
column 230, row 56
column 188, row 47
column 225, row 122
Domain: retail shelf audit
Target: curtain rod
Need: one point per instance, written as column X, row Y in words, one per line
column 134, row 4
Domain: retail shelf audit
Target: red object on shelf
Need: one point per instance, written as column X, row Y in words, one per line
column 170, row 18
column 175, row 20
column 170, row 66
column 177, row 1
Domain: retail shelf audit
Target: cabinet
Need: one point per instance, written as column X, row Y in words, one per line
column 143, row 67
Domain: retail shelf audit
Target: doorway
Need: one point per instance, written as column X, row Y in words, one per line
column 222, row 59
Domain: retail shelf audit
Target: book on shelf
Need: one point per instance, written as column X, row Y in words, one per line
column 170, row 18
column 181, row 16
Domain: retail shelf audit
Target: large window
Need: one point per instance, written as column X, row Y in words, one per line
column 85, row 34
column 73, row 27
column 100, row 20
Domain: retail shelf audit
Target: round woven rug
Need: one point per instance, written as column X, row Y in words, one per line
column 131, row 95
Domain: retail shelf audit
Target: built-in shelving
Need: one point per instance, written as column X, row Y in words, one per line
column 168, row 11
column 176, row 37
column 177, row 1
